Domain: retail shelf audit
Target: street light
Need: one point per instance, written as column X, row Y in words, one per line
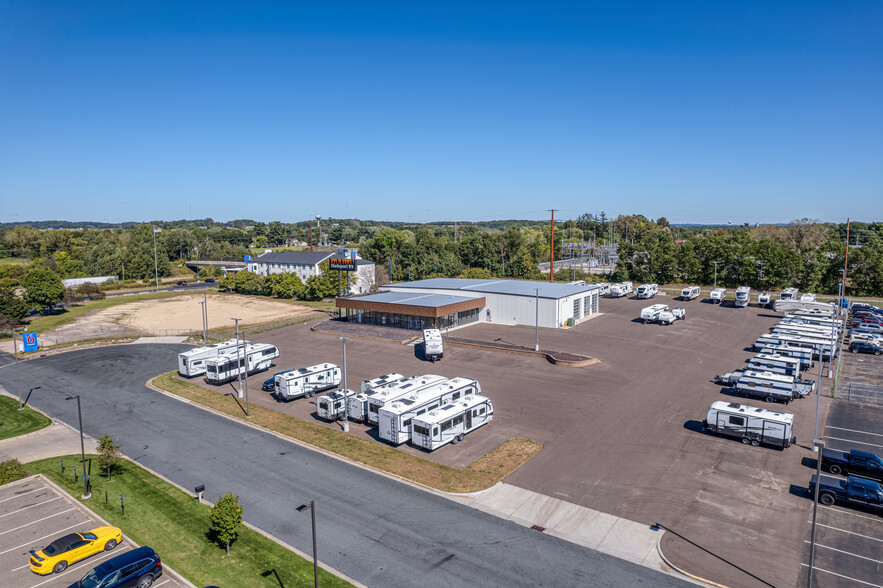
column 715, row 272
column 86, row 493
column 239, row 366
column 21, row 405
column 536, row 345
column 202, row 313
column 312, row 507
column 818, row 445
column 346, row 412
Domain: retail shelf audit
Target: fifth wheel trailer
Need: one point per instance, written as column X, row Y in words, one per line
column 752, row 425
column 451, row 422
column 394, row 421
column 400, row 389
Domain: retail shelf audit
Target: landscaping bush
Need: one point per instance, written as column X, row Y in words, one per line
column 11, row 470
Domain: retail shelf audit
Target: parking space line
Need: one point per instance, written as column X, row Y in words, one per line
column 31, row 506
column 106, row 554
column 163, row 582
column 845, row 552
column 842, row 576
column 37, row 521
column 45, row 537
column 854, row 431
column 23, row 493
column 852, row 441
column 855, row 514
column 21, row 568
column 845, row 531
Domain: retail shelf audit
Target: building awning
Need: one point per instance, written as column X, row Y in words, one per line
column 426, row 305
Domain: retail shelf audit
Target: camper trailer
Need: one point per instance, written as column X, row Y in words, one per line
column 668, row 317
column 432, row 345
column 647, row 290
column 331, row 406
column 603, row 288
column 770, row 386
column 621, row 289
column 400, row 389
column 451, row 422
column 819, row 346
column 820, row 320
column 743, row 296
column 804, row 355
column 394, row 420
column 778, row 364
column 752, row 425
column 372, row 386
column 307, row 381
column 807, row 297
column 192, row 362
column 718, row 295
column 651, row 313
column 803, row 330
column 227, row 367
column 691, row 293
column 763, row 299
column 358, row 403
column 788, row 294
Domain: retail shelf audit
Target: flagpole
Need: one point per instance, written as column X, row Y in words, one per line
column 155, row 265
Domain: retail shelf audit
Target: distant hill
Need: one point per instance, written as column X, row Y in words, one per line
column 60, row 224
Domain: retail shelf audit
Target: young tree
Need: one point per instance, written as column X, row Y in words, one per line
column 226, row 518
column 108, row 454
column 43, row 288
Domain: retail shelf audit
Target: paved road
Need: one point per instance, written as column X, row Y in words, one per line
column 377, row 531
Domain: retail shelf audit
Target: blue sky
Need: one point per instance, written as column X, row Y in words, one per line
column 416, row 111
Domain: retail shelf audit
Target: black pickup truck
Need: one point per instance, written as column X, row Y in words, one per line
column 854, row 463
column 852, row 490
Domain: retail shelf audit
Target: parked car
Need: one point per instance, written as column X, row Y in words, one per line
column 872, row 337
column 854, row 462
column 209, row 280
column 868, row 328
column 862, row 306
column 138, row 568
column 270, row 383
column 865, row 347
column 182, row 282
column 73, row 547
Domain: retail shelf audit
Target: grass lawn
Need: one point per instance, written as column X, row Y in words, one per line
column 175, row 525
column 481, row 474
column 15, row 422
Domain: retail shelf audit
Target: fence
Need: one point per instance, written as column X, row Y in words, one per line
column 859, row 392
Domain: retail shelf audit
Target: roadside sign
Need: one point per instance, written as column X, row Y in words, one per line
column 342, row 264
column 246, row 258
column 30, row 341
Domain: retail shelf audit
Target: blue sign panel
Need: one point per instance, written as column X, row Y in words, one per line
column 352, row 254
column 246, row 258
column 30, row 341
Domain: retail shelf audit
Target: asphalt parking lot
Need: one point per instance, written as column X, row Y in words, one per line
column 622, row 436
column 849, row 540
column 861, row 378
column 32, row 515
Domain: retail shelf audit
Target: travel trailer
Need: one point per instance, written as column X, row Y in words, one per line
column 668, row 317
column 802, row 329
column 307, row 381
column 432, row 345
column 770, row 386
column 803, row 354
column 819, row 346
column 331, row 406
column 357, row 404
column 621, row 289
column 753, row 425
column 603, row 288
column 452, row 422
column 691, row 293
column 394, row 420
column 807, row 297
column 718, row 295
column 226, row 367
column 651, row 313
column 778, row 364
column 788, row 294
column 763, row 299
column 192, row 362
column 400, row 389
column 371, row 386
column 647, row 290
column 743, row 296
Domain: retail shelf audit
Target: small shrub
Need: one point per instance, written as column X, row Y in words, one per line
column 11, row 470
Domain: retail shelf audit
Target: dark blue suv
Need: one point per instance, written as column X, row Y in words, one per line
column 138, row 568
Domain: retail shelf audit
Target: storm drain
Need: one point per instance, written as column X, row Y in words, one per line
column 538, row 528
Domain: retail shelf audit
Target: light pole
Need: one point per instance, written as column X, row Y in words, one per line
column 202, row 312
column 818, row 445
column 715, row 272
column 536, row 345
column 346, row 412
column 239, row 362
column 815, row 434
column 312, row 507
column 86, row 493
column 155, row 264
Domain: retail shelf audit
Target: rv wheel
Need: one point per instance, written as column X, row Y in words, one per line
column 746, row 440
column 755, row 442
column 462, row 436
column 308, row 394
column 455, row 440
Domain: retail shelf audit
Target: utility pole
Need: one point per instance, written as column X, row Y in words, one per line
column 311, row 236
column 552, row 252
column 155, row 264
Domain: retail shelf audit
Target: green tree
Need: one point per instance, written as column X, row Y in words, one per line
column 322, row 286
column 11, row 470
column 476, row 273
column 11, row 306
column 108, row 454
column 43, row 288
column 226, row 518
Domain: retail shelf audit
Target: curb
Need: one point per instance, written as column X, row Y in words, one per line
column 549, row 355
column 366, row 337
column 699, row 579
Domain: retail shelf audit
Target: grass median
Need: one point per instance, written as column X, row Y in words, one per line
column 174, row 524
column 481, row 474
column 15, row 422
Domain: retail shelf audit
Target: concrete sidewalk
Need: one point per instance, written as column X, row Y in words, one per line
column 52, row 441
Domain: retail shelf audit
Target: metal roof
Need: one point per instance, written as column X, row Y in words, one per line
column 512, row 287
column 414, row 299
column 293, row 257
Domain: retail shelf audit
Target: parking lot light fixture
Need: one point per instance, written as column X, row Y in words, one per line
column 536, row 345
column 86, row 493
column 21, row 403
column 312, row 507
column 346, row 412
column 818, row 445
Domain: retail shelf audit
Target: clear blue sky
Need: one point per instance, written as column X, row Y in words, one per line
column 422, row 111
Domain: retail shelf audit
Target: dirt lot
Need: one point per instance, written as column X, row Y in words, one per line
column 621, row 436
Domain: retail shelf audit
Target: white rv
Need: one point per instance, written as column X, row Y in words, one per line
column 788, row 294
column 803, row 330
column 743, row 296
column 668, row 317
column 752, row 425
column 647, row 290
column 778, row 364
column 432, row 345
column 651, row 313
column 372, row 386
column 358, row 403
column 819, row 346
column 621, row 289
column 227, row 367
column 331, row 406
column 394, row 421
column 603, row 288
column 817, row 319
column 306, row 381
column 718, row 295
column 763, row 299
column 770, row 386
column 192, row 362
column 804, row 355
column 807, row 297
column 691, row 293
column 398, row 390
column 451, row 422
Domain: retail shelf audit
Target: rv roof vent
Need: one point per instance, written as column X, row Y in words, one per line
column 733, row 405
column 303, row 370
column 758, row 410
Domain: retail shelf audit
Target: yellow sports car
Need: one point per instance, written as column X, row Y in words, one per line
column 64, row 551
